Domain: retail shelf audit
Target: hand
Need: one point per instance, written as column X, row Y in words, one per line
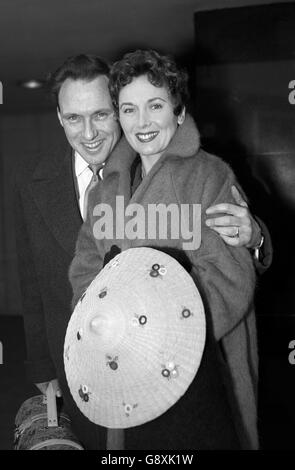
column 238, row 227
column 43, row 387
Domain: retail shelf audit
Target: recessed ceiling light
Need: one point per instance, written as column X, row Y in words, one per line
column 32, row 84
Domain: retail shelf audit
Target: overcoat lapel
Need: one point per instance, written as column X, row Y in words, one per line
column 54, row 192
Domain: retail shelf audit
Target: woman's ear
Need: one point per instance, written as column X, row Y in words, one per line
column 181, row 117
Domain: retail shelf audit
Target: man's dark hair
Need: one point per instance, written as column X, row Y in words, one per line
column 160, row 70
column 79, row 67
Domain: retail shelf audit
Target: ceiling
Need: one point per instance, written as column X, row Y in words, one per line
column 37, row 35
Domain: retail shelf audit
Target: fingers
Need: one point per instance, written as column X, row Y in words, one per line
column 235, row 228
column 232, row 241
column 226, row 208
column 227, row 231
column 237, row 197
column 225, row 221
column 239, row 235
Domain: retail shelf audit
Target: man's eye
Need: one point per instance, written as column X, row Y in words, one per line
column 101, row 116
column 73, row 118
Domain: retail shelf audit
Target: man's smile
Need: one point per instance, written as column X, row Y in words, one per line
column 93, row 146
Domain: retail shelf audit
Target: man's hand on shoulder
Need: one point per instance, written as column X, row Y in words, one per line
column 236, row 226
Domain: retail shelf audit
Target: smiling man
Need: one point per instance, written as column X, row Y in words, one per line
column 50, row 194
column 51, row 202
column 86, row 114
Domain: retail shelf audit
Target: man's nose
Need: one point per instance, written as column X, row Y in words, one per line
column 89, row 130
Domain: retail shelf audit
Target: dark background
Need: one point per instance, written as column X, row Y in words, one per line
column 241, row 60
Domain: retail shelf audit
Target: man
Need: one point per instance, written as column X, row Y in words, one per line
column 51, row 201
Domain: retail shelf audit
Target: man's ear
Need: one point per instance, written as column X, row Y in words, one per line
column 59, row 116
column 181, row 116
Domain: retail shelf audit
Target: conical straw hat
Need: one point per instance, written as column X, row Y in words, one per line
column 135, row 340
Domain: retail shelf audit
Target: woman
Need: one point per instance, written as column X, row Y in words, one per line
column 149, row 93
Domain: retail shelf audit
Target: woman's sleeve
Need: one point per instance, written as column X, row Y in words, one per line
column 265, row 253
column 87, row 261
column 225, row 275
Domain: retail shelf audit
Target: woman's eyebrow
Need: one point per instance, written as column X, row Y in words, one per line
column 157, row 98
column 149, row 101
column 126, row 104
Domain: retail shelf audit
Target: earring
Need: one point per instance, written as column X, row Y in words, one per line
column 180, row 118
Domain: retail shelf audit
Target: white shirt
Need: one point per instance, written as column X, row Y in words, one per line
column 84, row 175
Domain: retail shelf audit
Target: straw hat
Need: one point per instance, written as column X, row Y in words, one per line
column 135, row 340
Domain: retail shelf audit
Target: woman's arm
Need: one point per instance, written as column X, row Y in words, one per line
column 87, row 261
column 224, row 274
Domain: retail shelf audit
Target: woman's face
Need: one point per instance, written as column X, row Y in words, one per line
column 147, row 118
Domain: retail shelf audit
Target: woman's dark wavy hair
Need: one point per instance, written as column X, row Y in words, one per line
column 161, row 70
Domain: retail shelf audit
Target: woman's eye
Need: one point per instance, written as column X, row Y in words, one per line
column 128, row 110
column 157, row 106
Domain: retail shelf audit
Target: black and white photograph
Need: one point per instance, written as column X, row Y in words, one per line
column 147, row 203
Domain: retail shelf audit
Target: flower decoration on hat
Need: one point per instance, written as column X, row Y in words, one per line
column 136, row 343
column 157, row 270
column 139, row 320
column 129, row 408
column 84, row 393
column 79, row 334
column 170, row 370
column 112, row 362
column 102, row 293
column 186, row 313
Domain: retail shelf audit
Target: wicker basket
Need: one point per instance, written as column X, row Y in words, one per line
column 40, row 425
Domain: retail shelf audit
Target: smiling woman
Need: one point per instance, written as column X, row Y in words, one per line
column 147, row 118
column 165, row 165
column 150, row 99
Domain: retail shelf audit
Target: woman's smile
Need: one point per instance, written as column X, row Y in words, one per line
column 147, row 136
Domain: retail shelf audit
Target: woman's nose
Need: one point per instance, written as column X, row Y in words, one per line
column 143, row 119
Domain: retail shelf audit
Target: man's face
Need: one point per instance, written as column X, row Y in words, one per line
column 87, row 116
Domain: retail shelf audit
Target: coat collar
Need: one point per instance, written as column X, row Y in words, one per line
column 186, row 140
column 53, row 190
column 185, row 143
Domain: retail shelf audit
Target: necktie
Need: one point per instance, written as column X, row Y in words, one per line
column 93, row 182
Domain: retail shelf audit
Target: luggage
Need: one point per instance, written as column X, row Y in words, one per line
column 40, row 425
